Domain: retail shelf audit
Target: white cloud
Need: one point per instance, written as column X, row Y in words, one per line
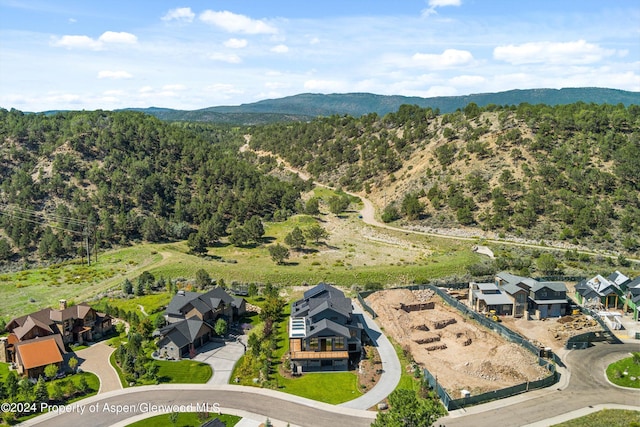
column 433, row 4
column 179, row 14
column 236, row 43
column 224, row 57
column 575, row 52
column 86, row 42
column 235, row 23
column 106, row 74
column 440, row 91
column 115, row 37
column 224, row 88
column 77, row 42
column 281, row 48
column 447, row 59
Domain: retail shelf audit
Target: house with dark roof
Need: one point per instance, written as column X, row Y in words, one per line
column 485, row 297
column 600, row 293
column 181, row 339
column 544, row 299
column 324, row 333
column 633, row 297
column 191, row 317
column 206, row 306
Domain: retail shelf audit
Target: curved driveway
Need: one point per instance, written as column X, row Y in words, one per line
column 95, row 359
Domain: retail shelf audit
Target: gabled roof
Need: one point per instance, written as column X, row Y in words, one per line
column 46, row 317
column 40, row 351
column 184, row 332
column 618, row 278
column 28, row 325
column 328, row 326
column 182, row 302
column 493, row 299
column 339, row 305
column 513, row 280
column 554, row 286
column 321, row 288
column 598, row 285
column 635, row 283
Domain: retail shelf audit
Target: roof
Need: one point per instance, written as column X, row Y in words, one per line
column 598, row 285
column 46, row 317
column 487, row 286
column 618, row 278
column 28, row 325
column 554, row 286
column 635, row 283
column 512, row 288
column 39, row 352
column 493, row 299
column 325, row 325
column 515, row 280
column 319, row 289
column 185, row 331
column 203, row 302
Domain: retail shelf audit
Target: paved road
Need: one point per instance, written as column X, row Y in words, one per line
column 390, row 366
column 588, row 386
column 95, row 359
column 269, row 403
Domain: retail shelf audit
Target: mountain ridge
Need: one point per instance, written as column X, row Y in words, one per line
column 302, row 107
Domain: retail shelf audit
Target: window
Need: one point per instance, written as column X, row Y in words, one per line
column 329, row 346
column 313, row 344
column 338, row 343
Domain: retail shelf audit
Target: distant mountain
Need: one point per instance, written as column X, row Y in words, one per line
column 304, row 106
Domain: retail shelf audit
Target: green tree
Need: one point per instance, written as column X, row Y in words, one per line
column 151, row 231
column 338, row 204
column 254, row 229
column 547, row 263
column 50, row 371
column 412, row 207
column 312, row 207
column 390, row 213
column 73, row 363
column 203, row 280
column 5, row 250
column 11, row 384
column 220, row 327
column 41, row 395
column 83, row 385
column 278, row 253
column 295, row 239
column 316, row 232
column 238, row 236
column 127, row 287
column 407, row 410
column 197, row 243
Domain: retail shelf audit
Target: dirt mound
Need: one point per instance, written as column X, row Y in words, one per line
column 460, row 352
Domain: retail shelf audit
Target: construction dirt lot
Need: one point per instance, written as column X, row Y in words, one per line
column 459, row 351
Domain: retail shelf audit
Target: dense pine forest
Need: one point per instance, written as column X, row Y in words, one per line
column 122, row 177
column 562, row 173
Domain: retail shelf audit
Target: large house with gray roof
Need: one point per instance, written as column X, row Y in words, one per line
column 324, row 333
column 191, row 317
column 544, row 299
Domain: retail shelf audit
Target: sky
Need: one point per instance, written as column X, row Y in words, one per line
column 191, row 54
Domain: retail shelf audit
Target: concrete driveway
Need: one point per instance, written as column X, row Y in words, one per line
column 222, row 357
column 95, row 359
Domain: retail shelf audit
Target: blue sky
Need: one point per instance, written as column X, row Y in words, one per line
column 194, row 54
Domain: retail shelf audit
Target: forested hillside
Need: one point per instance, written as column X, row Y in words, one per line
column 124, row 176
column 568, row 173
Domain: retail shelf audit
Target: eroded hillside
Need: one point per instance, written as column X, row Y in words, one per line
column 566, row 173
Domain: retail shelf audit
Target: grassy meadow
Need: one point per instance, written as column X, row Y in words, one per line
column 354, row 254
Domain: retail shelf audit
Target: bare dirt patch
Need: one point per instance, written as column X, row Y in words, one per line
column 460, row 352
column 552, row 333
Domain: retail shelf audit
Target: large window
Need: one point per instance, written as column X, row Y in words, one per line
column 313, row 344
column 338, row 343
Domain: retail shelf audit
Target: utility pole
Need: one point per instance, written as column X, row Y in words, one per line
column 86, row 241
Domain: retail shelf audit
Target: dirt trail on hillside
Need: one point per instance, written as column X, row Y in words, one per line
column 368, row 215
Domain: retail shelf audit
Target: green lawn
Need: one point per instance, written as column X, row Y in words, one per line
column 606, row 417
column 151, row 303
column 616, row 373
column 92, row 380
column 184, row 419
column 407, row 379
column 328, row 387
column 184, row 372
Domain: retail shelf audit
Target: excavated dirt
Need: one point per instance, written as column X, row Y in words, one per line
column 461, row 353
column 554, row 332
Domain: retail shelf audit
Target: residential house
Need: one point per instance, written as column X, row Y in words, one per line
column 181, row 339
column 33, row 355
column 324, row 333
column 191, row 317
column 485, row 297
column 599, row 292
column 633, row 297
column 206, row 306
column 544, row 299
column 76, row 324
